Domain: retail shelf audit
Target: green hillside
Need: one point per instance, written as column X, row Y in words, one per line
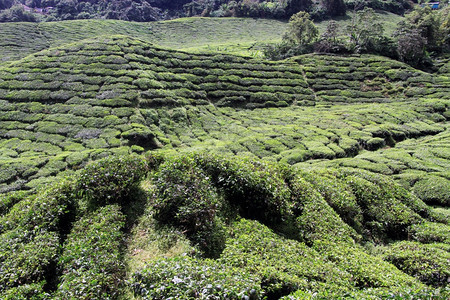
column 236, row 35
column 231, row 35
column 130, row 170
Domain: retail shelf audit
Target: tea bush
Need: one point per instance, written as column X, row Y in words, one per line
column 186, row 198
column 433, row 189
column 30, row 235
column 110, row 180
column 367, row 271
column 430, row 232
column 384, row 213
column 429, row 264
column 282, row 265
column 185, row 277
column 91, row 260
column 315, row 219
column 256, row 188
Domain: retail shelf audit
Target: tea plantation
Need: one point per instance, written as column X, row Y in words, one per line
column 134, row 171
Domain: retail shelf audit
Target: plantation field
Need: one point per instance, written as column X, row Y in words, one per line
column 210, row 175
column 243, row 36
column 234, row 35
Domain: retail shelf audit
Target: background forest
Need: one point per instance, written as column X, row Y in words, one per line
column 151, row 10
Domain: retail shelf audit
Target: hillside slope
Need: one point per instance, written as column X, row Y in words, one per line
column 63, row 105
column 237, row 35
column 128, row 170
column 246, row 36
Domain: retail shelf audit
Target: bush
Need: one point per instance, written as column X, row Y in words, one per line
column 338, row 195
column 91, row 261
column 429, row 232
column 187, row 199
column 188, row 278
column 110, row 180
column 433, row 190
column 283, row 265
column 30, row 236
column 256, row 188
column 367, row 271
column 315, row 219
column 375, row 144
column 429, row 264
column 34, row 291
column 385, row 214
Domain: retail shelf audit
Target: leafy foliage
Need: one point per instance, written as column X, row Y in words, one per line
column 186, row 199
column 91, row 260
column 110, row 180
column 428, row 263
column 189, row 278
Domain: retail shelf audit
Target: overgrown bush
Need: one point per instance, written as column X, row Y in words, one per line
column 186, row 198
column 429, row 264
column 188, row 278
column 91, row 261
column 110, row 180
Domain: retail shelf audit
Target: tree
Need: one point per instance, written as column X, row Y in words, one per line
column 444, row 29
column 4, row 4
column 426, row 21
column 411, row 46
column 329, row 41
column 301, row 30
column 334, row 7
column 298, row 38
column 17, row 14
column 294, row 6
column 364, row 31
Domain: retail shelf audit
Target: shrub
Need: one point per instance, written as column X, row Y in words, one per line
column 433, row 189
column 30, row 236
column 367, row 271
column 34, row 291
column 385, row 214
column 189, row 278
column 375, row 144
column 110, row 180
column 254, row 187
column 429, row 232
column 91, row 260
column 429, row 264
column 187, row 199
column 282, row 265
column 338, row 195
column 315, row 219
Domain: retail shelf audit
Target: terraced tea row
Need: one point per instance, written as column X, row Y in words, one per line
column 421, row 165
column 366, row 78
column 63, row 106
column 235, row 35
column 131, row 70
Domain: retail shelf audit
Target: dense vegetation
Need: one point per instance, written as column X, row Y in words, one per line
column 421, row 32
column 135, row 171
column 151, row 10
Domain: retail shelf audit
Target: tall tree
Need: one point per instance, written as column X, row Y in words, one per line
column 301, row 30
column 365, row 30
